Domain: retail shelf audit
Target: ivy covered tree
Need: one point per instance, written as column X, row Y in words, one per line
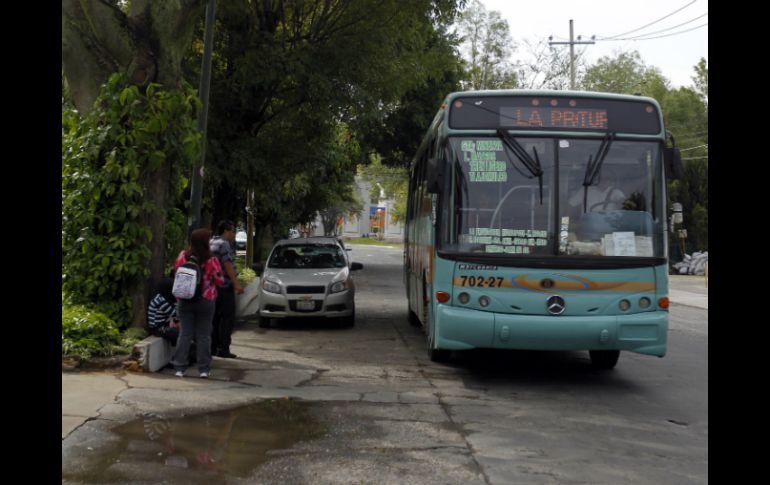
column 125, row 147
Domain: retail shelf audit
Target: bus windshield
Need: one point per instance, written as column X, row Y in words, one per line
column 572, row 206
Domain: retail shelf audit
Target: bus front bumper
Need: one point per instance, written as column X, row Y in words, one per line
column 462, row 329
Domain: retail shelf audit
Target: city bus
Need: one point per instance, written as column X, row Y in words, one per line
column 536, row 220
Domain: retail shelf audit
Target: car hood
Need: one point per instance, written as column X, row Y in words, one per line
column 307, row 277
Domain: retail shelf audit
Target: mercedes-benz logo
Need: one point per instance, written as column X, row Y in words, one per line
column 555, row 305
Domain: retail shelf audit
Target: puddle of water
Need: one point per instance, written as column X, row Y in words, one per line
column 199, row 448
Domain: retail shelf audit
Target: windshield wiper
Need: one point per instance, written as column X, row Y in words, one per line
column 532, row 164
column 595, row 166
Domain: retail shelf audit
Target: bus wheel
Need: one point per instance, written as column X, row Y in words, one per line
column 413, row 320
column 436, row 355
column 604, row 359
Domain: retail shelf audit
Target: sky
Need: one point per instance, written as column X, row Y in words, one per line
column 675, row 55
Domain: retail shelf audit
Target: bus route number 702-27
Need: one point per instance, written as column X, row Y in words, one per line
column 481, row 281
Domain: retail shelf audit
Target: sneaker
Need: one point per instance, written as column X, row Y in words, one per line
column 204, row 375
column 179, row 373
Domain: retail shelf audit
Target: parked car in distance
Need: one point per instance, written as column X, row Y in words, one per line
column 293, row 233
column 240, row 240
column 307, row 277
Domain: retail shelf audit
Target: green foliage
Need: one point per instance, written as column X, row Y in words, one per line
column 301, row 90
column 487, row 47
column 246, row 276
column 86, row 332
column 369, row 241
column 108, row 159
column 701, row 80
column 625, row 73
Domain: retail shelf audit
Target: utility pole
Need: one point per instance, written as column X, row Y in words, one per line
column 196, row 188
column 572, row 43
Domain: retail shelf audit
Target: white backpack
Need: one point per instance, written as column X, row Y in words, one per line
column 187, row 280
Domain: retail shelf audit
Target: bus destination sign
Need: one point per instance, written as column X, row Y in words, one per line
column 592, row 119
column 473, row 112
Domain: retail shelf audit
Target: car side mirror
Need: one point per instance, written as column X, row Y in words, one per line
column 672, row 160
column 356, row 266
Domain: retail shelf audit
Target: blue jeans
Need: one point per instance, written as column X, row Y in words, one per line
column 195, row 319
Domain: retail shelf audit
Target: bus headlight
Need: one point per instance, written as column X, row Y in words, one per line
column 624, row 305
column 463, row 298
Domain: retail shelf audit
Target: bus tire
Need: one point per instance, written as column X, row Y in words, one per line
column 604, row 359
column 437, row 355
column 413, row 320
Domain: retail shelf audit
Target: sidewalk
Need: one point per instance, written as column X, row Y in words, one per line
column 688, row 290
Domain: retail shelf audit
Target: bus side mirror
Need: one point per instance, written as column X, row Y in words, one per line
column 672, row 160
column 434, row 176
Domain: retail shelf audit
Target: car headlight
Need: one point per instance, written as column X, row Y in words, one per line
column 338, row 286
column 271, row 286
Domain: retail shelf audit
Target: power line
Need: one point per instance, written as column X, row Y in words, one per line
column 660, row 36
column 651, row 23
column 664, row 30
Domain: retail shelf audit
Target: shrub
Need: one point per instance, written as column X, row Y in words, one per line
column 86, row 332
column 246, row 276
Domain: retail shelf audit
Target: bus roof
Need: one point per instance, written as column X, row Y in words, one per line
column 550, row 93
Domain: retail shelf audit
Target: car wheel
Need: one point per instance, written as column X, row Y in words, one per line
column 264, row 322
column 604, row 359
column 350, row 321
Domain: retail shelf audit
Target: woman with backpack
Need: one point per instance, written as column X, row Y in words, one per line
column 196, row 313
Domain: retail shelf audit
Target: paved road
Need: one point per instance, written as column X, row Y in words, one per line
column 387, row 414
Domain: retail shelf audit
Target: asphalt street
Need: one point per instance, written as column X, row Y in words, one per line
column 310, row 402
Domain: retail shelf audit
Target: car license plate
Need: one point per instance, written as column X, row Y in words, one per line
column 306, row 305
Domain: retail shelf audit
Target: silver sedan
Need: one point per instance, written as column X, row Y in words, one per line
column 307, row 277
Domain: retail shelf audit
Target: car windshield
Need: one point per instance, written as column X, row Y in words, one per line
column 310, row 256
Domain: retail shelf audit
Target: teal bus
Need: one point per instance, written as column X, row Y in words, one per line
column 536, row 220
